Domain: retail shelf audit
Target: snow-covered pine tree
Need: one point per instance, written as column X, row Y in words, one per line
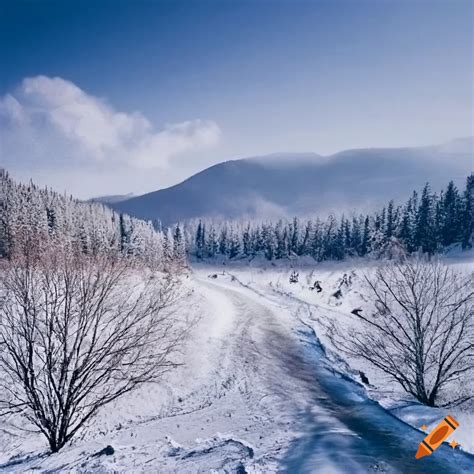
column 258, row 241
column 281, row 236
column 269, row 241
column 246, row 242
column 365, row 243
column 468, row 213
column 348, row 249
column 31, row 218
column 407, row 228
column 425, row 236
column 294, row 237
column 317, row 248
column 450, row 215
column 356, row 236
column 212, row 246
column 234, row 243
column 390, row 224
column 304, row 247
column 223, row 242
column 329, row 232
column 393, row 231
column 200, row 240
column 179, row 248
column 168, row 251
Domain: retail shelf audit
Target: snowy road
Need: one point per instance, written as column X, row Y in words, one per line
column 341, row 429
column 256, row 394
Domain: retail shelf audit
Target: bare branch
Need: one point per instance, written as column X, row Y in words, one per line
column 422, row 331
column 77, row 332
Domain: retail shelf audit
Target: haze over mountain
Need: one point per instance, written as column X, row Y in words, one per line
column 304, row 184
column 111, row 199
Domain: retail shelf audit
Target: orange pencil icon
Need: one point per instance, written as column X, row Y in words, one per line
column 436, row 437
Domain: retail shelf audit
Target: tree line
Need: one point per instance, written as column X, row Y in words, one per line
column 37, row 218
column 427, row 222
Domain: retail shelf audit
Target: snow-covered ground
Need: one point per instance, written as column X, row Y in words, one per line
column 260, row 390
column 319, row 309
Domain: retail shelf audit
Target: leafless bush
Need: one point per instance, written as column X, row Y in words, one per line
column 78, row 332
column 422, row 331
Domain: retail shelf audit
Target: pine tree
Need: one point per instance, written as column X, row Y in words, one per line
column 365, row 244
column 281, row 236
column 450, row 216
column 317, row 250
column 294, row 237
column 179, row 249
column 259, row 241
column 246, row 241
column 200, row 241
column 168, row 251
column 304, row 248
column 413, row 220
column 390, row 224
column 356, row 237
column 124, row 241
column 223, row 244
column 52, row 221
column 378, row 242
column 328, row 239
column 468, row 213
column 347, row 237
column 234, row 244
column 425, row 229
column 406, row 233
column 212, row 244
column 7, row 213
column 338, row 247
column 269, row 241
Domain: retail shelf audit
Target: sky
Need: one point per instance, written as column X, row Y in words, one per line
column 111, row 97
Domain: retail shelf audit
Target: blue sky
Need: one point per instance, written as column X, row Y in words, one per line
column 135, row 95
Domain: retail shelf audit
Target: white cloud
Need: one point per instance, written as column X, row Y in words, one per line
column 51, row 120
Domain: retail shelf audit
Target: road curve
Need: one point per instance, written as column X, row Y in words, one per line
column 342, row 430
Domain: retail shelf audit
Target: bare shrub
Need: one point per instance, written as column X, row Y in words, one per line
column 421, row 333
column 76, row 333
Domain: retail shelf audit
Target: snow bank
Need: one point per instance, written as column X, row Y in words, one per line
column 318, row 309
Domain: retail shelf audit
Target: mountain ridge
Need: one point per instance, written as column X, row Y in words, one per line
column 283, row 184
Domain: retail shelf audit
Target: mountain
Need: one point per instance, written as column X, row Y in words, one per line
column 288, row 184
column 112, row 199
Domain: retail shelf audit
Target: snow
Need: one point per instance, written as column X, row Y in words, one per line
column 318, row 309
column 260, row 389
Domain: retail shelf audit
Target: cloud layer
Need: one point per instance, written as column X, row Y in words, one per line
column 51, row 121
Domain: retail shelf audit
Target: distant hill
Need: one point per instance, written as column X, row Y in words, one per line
column 305, row 184
column 112, row 199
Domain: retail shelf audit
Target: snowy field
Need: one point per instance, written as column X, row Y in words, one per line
column 260, row 390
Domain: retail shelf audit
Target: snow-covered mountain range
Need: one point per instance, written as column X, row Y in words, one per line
column 305, row 183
